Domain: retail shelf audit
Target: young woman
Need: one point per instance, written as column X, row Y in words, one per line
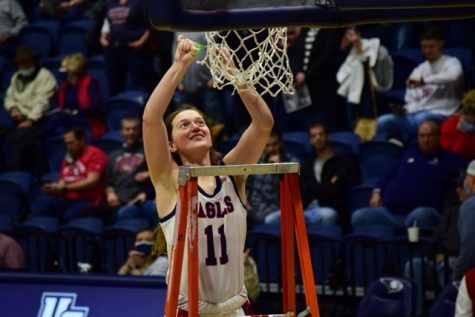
column 185, row 139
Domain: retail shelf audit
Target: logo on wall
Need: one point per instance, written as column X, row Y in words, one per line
column 61, row 304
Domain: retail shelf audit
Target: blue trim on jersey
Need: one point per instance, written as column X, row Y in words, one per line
column 216, row 189
column 169, row 216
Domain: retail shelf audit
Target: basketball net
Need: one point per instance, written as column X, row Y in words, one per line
column 249, row 58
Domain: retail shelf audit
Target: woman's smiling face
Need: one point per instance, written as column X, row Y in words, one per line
column 189, row 131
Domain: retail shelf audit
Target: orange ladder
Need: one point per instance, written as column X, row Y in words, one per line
column 292, row 223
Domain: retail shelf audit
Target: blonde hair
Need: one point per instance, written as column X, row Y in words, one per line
column 468, row 102
column 75, row 63
column 159, row 242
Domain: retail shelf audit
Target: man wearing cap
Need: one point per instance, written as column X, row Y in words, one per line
column 466, row 258
column 27, row 100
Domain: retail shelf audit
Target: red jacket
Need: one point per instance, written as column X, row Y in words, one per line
column 451, row 138
column 95, row 120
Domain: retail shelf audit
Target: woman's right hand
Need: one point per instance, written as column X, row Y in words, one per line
column 186, row 50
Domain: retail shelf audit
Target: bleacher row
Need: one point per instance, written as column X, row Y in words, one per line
column 346, row 266
column 83, row 245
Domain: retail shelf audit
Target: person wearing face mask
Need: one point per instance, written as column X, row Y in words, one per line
column 79, row 97
column 466, row 222
column 457, row 133
column 27, row 100
column 141, row 260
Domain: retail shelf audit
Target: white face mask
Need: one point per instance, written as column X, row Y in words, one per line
column 26, row 71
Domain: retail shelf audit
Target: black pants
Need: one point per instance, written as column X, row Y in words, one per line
column 21, row 148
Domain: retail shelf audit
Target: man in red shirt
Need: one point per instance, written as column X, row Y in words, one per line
column 457, row 133
column 81, row 181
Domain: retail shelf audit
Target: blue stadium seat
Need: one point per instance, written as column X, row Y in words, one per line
column 265, row 244
column 349, row 138
column 324, row 242
column 53, row 64
column 6, row 223
column 125, row 104
column 72, row 37
column 97, row 69
column 388, row 297
column 82, row 241
column 39, row 238
column 55, row 152
column 6, row 73
column 41, row 37
column 23, row 179
column 376, row 158
column 11, row 198
column 118, row 240
column 359, row 196
column 366, row 254
column 109, row 142
column 227, row 145
column 444, row 305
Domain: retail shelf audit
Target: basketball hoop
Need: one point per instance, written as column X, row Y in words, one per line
column 255, row 58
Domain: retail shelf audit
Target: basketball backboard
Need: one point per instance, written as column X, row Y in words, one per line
column 209, row 15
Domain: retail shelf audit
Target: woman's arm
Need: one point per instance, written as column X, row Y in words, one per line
column 155, row 135
column 254, row 139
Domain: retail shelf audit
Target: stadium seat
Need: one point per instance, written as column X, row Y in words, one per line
column 55, row 152
column 359, row 196
column 97, row 69
column 11, row 198
column 349, row 138
column 39, row 238
column 6, row 73
column 324, row 242
column 444, row 305
column 6, row 223
column 72, row 37
column 118, row 240
column 388, row 297
column 125, row 104
column 82, row 242
column 367, row 254
column 376, row 158
column 53, row 64
column 109, row 142
column 265, row 244
column 41, row 37
column 404, row 64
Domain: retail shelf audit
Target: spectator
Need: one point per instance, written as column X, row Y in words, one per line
column 366, row 58
column 11, row 253
column 125, row 37
column 416, row 187
column 12, row 20
column 313, row 57
column 466, row 259
column 263, row 190
column 27, row 100
column 81, row 180
column 324, row 179
column 64, row 10
column 141, row 261
column 127, row 179
column 457, row 133
column 433, row 91
column 445, row 242
column 465, row 304
column 79, row 97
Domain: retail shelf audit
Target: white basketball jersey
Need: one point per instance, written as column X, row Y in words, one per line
column 221, row 237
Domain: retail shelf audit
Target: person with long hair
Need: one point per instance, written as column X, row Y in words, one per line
column 184, row 138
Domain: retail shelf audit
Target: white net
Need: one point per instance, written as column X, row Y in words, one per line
column 258, row 58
